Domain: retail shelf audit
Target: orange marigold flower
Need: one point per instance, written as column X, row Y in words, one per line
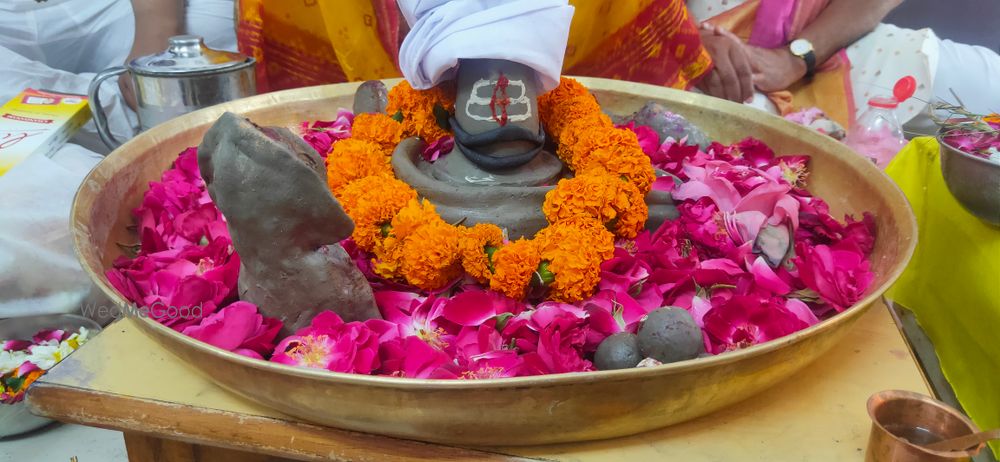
column 574, row 250
column 431, row 257
column 476, row 245
column 581, row 107
column 379, row 129
column 353, row 159
column 575, row 128
column 629, row 163
column 568, row 88
column 388, row 261
column 615, row 203
column 415, row 214
column 416, row 109
column 372, row 202
column 513, row 266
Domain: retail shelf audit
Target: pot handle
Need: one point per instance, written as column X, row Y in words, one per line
column 100, row 119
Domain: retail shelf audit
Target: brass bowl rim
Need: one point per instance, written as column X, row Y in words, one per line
column 690, row 98
column 879, row 398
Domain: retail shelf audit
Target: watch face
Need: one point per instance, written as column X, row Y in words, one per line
column 800, row 47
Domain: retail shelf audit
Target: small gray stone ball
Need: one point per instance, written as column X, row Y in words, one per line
column 669, row 335
column 618, row 351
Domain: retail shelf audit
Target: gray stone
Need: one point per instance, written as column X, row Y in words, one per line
column 669, row 335
column 371, row 97
column 618, row 351
column 668, row 124
column 285, row 224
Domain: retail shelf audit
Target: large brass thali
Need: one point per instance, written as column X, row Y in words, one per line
column 515, row 411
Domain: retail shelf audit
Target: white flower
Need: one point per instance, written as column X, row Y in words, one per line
column 10, row 360
column 78, row 339
column 46, row 356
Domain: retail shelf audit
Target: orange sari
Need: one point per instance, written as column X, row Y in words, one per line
column 313, row 42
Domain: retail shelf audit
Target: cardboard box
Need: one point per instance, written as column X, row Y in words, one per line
column 38, row 121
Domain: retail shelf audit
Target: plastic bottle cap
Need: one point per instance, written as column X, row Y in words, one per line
column 904, row 88
column 883, row 102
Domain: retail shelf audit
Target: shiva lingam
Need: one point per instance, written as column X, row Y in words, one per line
column 501, row 166
column 286, row 225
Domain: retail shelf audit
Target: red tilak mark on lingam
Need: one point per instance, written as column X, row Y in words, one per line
column 500, row 99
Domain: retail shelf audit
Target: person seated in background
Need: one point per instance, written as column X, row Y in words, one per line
column 837, row 54
column 59, row 45
column 300, row 44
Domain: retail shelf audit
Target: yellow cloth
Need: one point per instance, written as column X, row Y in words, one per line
column 953, row 283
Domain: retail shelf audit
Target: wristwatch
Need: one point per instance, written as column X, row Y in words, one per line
column 804, row 49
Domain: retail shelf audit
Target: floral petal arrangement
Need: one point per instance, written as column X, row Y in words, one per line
column 24, row 361
column 465, row 302
column 975, row 134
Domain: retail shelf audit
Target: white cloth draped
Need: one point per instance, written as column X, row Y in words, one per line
column 529, row 32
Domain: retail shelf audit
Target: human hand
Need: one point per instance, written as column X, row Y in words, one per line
column 732, row 76
column 775, row 69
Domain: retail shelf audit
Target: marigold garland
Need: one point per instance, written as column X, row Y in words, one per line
column 379, row 129
column 389, row 251
column 431, row 257
column 513, row 267
column 372, row 202
column 410, row 242
column 354, row 159
column 574, row 250
column 476, row 245
column 419, row 110
column 616, row 204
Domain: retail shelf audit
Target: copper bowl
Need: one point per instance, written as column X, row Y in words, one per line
column 513, row 411
column 904, row 422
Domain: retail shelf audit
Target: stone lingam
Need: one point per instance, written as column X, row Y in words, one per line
column 286, row 225
column 502, row 164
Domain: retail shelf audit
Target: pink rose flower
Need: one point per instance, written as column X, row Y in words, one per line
column 480, row 353
column 179, row 287
column 329, row 343
column 440, row 147
column 747, row 320
column 413, row 358
column 322, row 134
column 649, row 141
column 840, row 274
column 238, row 328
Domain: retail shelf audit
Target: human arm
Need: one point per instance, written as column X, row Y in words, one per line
column 840, row 24
column 732, row 75
column 155, row 22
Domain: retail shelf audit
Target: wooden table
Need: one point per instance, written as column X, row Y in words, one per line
column 168, row 412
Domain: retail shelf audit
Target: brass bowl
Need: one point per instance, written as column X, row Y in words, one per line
column 512, row 411
column 973, row 181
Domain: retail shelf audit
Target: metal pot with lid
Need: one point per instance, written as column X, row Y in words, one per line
column 186, row 77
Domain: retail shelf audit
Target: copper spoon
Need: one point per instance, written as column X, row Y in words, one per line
column 964, row 442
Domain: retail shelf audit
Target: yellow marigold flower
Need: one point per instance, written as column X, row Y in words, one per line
column 372, row 202
column 476, row 244
column 416, row 109
column 353, row 159
column 613, row 202
column 574, row 250
column 431, row 257
column 379, row 129
column 513, row 266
